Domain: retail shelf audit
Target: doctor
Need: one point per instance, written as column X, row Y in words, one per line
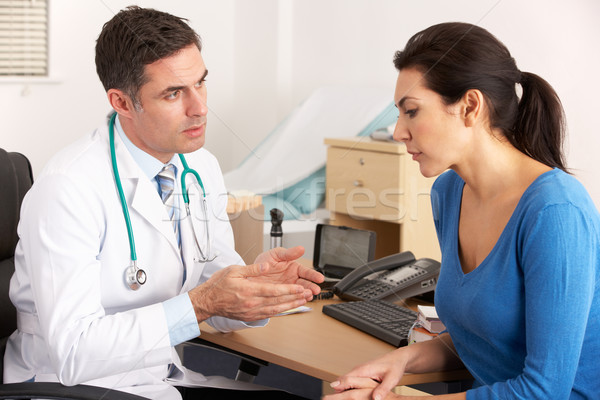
column 102, row 303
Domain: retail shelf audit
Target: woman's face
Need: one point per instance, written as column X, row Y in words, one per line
column 433, row 132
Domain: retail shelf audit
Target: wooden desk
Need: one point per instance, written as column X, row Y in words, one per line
column 315, row 344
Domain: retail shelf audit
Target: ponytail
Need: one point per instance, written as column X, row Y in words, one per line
column 456, row 57
column 539, row 129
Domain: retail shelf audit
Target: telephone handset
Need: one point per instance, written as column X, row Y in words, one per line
column 395, row 277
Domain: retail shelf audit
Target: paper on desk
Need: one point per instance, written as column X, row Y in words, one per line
column 296, row 310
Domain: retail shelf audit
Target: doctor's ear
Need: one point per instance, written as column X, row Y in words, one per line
column 473, row 104
column 121, row 102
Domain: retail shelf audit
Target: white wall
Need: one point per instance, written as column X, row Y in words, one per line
column 265, row 56
column 40, row 118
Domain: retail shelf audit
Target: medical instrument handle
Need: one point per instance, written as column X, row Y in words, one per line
column 111, row 133
column 187, row 170
column 276, row 231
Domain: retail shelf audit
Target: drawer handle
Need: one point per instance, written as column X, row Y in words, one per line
column 358, row 183
column 361, row 161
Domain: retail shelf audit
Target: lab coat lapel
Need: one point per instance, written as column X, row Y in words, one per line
column 142, row 195
column 148, row 204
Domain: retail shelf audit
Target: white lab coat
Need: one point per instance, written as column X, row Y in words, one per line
column 78, row 322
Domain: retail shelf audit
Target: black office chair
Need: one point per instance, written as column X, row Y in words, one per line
column 15, row 180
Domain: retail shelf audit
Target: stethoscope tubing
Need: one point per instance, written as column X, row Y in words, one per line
column 188, row 170
column 111, row 133
column 134, row 276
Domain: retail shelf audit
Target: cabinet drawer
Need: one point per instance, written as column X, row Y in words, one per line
column 365, row 184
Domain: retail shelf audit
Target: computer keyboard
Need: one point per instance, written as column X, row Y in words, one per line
column 386, row 321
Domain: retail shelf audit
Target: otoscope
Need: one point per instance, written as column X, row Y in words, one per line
column 276, row 231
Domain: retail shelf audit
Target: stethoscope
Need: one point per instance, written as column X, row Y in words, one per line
column 135, row 276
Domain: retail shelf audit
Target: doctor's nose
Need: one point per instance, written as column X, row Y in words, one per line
column 196, row 105
column 401, row 133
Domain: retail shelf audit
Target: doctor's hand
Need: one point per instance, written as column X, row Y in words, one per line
column 257, row 291
column 286, row 269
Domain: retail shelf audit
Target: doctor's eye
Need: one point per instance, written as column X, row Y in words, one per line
column 173, row 95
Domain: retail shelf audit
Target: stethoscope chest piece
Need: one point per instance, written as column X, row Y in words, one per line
column 135, row 277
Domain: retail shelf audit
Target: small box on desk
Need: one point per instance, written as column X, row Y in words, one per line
column 246, row 215
column 420, row 334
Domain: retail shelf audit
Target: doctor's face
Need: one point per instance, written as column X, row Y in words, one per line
column 172, row 115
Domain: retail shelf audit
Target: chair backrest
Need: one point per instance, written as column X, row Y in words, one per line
column 15, row 180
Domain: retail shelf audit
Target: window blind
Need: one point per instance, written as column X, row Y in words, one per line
column 23, row 37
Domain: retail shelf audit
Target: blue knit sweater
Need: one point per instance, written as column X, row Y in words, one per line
column 526, row 321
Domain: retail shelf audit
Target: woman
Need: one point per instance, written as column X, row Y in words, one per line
column 520, row 238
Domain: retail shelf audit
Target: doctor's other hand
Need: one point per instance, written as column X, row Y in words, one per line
column 257, row 291
column 286, row 269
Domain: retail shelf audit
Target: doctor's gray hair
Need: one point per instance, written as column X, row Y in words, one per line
column 134, row 38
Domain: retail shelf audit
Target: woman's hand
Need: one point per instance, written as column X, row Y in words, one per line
column 384, row 373
column 358, row 388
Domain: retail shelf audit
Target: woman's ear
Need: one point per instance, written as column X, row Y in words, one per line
column 120, row 102
column 473, row 104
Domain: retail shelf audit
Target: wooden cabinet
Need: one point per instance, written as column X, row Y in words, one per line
column 377, row 186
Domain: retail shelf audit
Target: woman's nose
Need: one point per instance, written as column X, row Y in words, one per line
column 401, row 133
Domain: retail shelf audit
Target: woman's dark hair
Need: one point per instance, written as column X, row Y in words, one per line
column 134, row 38
column 456, row 57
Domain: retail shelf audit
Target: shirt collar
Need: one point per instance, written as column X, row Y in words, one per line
column 149, row 165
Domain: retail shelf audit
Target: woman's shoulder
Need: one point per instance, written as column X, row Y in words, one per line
column 557, row 187
column 556, row 194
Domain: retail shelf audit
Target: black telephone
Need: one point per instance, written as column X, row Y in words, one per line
column 390, row 278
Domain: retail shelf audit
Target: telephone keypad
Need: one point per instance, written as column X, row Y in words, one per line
column 371, row 289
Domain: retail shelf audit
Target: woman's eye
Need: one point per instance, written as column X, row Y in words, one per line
column 411, row 113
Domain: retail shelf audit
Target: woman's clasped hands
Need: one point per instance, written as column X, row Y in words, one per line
column 373, row 380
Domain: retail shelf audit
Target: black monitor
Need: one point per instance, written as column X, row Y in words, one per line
column 341, row 249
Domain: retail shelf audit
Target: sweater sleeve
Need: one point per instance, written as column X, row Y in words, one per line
column 558, row 253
